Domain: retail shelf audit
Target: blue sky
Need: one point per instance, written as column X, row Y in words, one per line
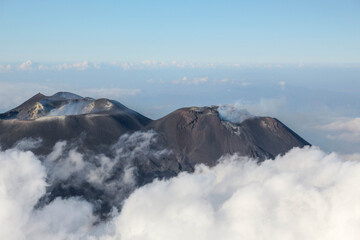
column 197, row 31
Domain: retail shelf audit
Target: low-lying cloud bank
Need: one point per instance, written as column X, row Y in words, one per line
column 104, row 180
column 305, row 194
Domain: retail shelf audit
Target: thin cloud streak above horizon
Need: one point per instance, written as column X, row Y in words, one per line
column 30, row 65
column 345, row 129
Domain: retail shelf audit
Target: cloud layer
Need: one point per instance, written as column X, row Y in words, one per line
column 30, row 65
column 305, row 194
column 106, row 179
column 347, row 129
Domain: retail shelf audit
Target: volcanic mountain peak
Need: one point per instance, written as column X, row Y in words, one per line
column 204, row 135
column 61, row 104
column 200, row 134
column 106, row 132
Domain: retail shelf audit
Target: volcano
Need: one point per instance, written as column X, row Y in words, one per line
column 98, row 129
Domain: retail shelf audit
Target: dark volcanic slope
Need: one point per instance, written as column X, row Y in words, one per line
column 93, row 130
column 198, row 135
column 66, row 116
column 122, row 149
column 64, row 103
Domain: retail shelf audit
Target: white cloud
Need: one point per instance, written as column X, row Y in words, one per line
column 5, row 68
column 123, row 65
column 28, row 143
column 26, row 66
column 200, row 80
column 115, row 177
column 111, row 93
column 351, row 157
column 188, row 81
column 97, row 65
column 62, row 219
column 42, row 67
column 261, row 107
column 150, row 64
column 21, row 185
column 282, row 84
column 80, row 66
column 345, row 124
column 348, row 137
column 232, row 81
column 30, row 66
column 305, row 194
column 245, row 84
column 345, row 129
column 183, row 80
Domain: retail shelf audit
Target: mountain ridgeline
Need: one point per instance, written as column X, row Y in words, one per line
column 115, row 144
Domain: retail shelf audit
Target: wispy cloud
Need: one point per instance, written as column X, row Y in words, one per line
column 345, row 129
column 26, row 66
column 5, row 68
column 30, row 65
column 79, row 66
column 195, row 81
column 261, row 107
column 245, row 84
column 112, row 93
column 282, row 84
column 299, row 192
column 295, row 196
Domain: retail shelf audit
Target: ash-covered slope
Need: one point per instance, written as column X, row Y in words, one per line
column 100, row 150
column 67, row 116
column 199, row 135
column 64, row 104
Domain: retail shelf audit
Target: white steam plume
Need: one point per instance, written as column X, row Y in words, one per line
column 241, row 110
column 73, row 108
column 233, row 113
